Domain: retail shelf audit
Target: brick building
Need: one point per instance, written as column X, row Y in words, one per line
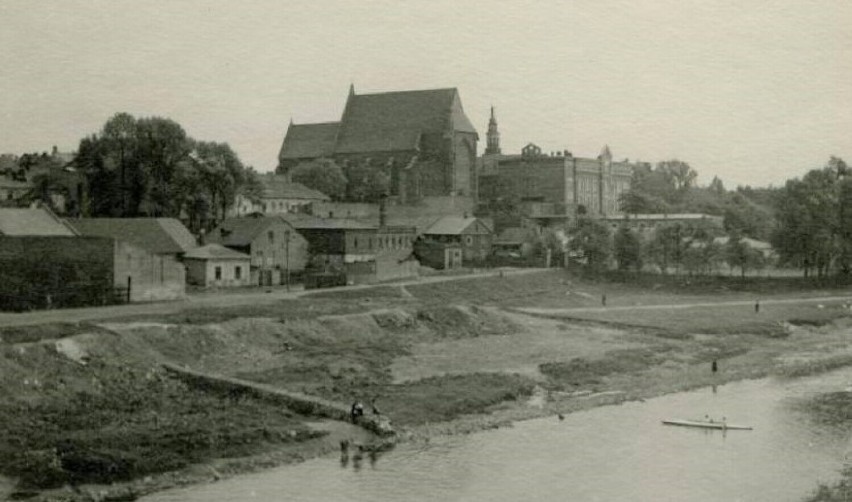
column 363, row 251
column 421, row 139
column 558, row 182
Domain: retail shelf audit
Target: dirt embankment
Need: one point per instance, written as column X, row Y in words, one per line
column 96, row 407
column 90, row 404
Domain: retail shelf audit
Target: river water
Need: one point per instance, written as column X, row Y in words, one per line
column 611, row 453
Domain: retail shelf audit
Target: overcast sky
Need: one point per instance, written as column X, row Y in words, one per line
column 752, row 91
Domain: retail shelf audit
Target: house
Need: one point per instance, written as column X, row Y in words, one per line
column 45, row 263
column 471, row 234
column 278, row 196
column 363, row 251
column 157, row 271
column 276, row 249
column 422, row 140
column 216, row 265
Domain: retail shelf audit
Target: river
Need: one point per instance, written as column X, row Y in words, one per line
column 610, row 453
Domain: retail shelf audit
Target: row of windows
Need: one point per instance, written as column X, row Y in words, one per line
column 387, row 242
column 238, row 273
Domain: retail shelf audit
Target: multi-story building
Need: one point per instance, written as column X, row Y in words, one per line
column 554, row 184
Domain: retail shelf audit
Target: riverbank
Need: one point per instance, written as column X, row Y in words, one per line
column 444, row 358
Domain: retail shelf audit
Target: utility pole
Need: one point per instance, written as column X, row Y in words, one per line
column 287, row 257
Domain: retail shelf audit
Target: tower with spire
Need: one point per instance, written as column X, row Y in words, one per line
column 492, row 145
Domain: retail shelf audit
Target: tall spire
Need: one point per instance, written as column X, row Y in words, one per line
column 351, row 89
column 492, row 145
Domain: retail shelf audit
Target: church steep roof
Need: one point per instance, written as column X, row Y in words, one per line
column 309, row 140
column 392, row 121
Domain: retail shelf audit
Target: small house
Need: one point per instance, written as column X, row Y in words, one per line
column 276, row 250
column 471, row 234
column 214, row 265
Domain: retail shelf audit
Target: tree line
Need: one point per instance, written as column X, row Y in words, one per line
column 149, row 166
column 808, row 222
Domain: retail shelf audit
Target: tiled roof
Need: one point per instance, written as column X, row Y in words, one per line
column 309, row 140
column 455, row 225
column 666, row 216
column 19, row 222
column 277, row 187
column 307, row 222
column 215, row 252
column 240, row 232
column 391, row 121
column 157, row 235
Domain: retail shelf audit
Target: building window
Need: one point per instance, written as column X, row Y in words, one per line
column 218, row 272
column 238, row 272
column 271, row 236
column 469, row 240
column 355, row 243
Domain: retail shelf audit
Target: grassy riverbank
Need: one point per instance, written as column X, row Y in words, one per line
column 89, row 404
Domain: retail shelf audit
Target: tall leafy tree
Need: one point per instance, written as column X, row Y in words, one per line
column 323, row 175
column 627, row 249
column 366, row 183
column 592, row 242
column 810, row 234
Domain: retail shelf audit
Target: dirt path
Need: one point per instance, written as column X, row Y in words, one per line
column 680, row 306
column 224, row 299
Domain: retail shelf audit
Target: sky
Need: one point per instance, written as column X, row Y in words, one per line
column 754, row 92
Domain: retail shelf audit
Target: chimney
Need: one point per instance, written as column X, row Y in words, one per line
column 383, row 212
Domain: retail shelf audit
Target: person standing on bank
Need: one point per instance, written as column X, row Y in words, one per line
column 714, row 367
column 603, row 299
column 756, row 306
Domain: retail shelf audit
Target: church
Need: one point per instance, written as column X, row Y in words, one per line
column 421, row 139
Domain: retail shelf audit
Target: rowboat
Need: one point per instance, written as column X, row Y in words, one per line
column 707, row 425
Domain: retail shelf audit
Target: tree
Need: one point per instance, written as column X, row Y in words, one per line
column 627, row 249
column 716, row 186
column 150, row 167
column 812, row 228
column 366, row 183
column 667, row 246
column 740, row 255
column 323, row 175
column 679, row 173
column 591, row 242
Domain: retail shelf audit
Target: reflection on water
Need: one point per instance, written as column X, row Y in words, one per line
column 610, row 453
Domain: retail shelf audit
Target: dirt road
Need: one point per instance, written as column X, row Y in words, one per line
column 217, row 299
column 679, row 306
